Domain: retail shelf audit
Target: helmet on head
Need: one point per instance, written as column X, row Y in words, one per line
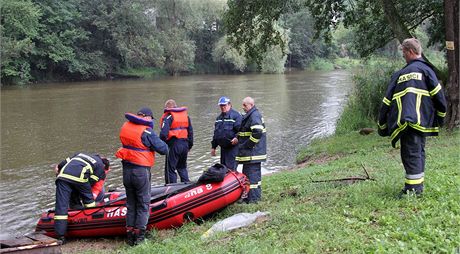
column 223, row 101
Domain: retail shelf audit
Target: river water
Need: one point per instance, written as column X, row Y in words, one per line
column 43, row 124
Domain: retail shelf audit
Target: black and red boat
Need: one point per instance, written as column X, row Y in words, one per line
column 170, row 206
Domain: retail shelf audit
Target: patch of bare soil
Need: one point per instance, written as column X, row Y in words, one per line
column 316, row 160
column 99, row 245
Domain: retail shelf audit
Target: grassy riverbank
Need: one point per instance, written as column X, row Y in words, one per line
column 365, row 216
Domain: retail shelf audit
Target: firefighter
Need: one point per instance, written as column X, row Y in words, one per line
column 75, row 176
column 177, row 132
column 252, row 148
column 139, row 144
column 226, row 128
column 414, row 107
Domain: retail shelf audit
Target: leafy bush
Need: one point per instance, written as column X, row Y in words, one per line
column 321, row 64
column 370, row 83
column 224, row 53
column 273, row 60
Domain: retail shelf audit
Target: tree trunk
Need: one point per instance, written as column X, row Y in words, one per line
column 400, row 31
column 451, row 12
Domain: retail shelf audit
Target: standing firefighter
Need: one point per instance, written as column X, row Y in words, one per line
column 75, row 176
column 138, row 155
column 177, row 132
column 413, row 107
column 226, row 128
column 252, row 148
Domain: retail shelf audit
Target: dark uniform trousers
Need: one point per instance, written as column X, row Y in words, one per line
column 413, row 159
column 254, row 173
column 227, row 157
column 177, row 161
column 136, row 180
column 64, row 192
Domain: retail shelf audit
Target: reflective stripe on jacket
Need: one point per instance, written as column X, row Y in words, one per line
column 414, row 98
column 252, row 144
column 82, row 168
column 133, row 150
column 179, row 123
column 226, row 128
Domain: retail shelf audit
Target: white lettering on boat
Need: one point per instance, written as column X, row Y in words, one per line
column 117, row 212
column 208, row 186
column 193, row 192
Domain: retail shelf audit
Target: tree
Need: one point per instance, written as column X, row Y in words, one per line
column 179, row 51
column 19, row 27
column 228, row 57
column 451, row 9
column 249, row 19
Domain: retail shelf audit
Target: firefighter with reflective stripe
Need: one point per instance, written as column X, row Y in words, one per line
column 139, row 144
column 252, row 148
column 75, row 176
column 226, row 128
column 177, row 132
column 414, row 107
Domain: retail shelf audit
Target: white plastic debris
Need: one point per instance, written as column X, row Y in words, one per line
column 236, row 221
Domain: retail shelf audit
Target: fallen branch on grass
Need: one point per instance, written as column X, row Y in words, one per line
column 353, row 178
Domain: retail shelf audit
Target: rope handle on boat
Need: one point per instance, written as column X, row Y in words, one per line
column 242, row 184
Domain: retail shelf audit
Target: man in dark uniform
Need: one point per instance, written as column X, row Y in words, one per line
column 414, row 107
column 252, row 148
column 226, row 128
column 138, row 156
column 75, row 176
column 177, row 132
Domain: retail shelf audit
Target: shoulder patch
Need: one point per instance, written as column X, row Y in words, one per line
column 409, row 76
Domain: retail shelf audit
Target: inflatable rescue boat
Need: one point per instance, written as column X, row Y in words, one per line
column 170, row 206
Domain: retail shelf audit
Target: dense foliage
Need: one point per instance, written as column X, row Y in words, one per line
column 96, row 39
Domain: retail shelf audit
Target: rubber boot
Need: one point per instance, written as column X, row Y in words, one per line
column 61, row 239
column 140, row 236
column 130, row 236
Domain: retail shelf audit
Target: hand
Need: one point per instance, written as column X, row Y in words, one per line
column 234, row 141
column 56, row 170
column 213, row 152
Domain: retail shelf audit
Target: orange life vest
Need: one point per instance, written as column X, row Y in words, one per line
column 179, row 124
column 133, row 149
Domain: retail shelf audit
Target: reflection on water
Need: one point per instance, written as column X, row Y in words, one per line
column 41, row 125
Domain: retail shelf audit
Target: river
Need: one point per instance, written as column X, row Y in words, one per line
column 43, row 124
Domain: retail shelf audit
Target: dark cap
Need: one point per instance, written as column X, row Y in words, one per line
column 145, row 112
column 106, row 163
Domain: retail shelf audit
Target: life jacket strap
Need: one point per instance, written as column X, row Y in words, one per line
column 135, row 148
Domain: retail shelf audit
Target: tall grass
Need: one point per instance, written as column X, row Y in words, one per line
column 370, row 83
column 321, row 64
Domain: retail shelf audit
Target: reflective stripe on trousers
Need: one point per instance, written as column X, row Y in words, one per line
column 254, row 173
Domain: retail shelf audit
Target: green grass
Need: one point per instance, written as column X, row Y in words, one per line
column 364, row 217
column 322, row 64
column 145, row 72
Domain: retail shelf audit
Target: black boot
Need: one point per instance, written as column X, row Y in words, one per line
column 140, row 236
column 417, row 192
column 130, row 236
column 61, row 239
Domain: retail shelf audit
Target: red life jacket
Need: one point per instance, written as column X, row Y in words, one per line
column 179, row 124
column 133, row 149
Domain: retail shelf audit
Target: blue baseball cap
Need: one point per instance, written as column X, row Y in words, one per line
column 223, row 101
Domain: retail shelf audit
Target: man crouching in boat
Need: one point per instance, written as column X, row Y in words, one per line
column 138, row 156
column 75, row 176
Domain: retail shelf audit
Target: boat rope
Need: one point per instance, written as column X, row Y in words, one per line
column 242, row 184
